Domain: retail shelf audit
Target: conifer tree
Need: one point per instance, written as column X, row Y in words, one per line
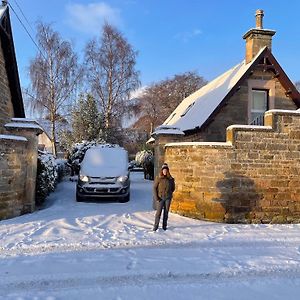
column 86, row 123
column 86, row 119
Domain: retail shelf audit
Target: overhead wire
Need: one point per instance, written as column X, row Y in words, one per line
column 21, row 10
column 27, row 31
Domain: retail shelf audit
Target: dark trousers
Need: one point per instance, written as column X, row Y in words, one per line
column 162, row 205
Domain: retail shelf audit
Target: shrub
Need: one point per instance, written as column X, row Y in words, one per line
column 143, row 157
column 46, row 176
column 61, row 168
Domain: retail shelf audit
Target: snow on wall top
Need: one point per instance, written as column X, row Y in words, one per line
column 194, row 110
column 12, row 137
column 23, row 125
column 293, row 112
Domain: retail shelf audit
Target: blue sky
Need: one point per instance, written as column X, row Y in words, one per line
column 171, row 36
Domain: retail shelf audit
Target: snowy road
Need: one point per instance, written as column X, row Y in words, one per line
column 107, row 251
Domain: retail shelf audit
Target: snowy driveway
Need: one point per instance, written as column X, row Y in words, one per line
column 107, row 251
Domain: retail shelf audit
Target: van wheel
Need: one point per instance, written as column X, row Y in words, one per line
column 125, row 199
column 78, row 198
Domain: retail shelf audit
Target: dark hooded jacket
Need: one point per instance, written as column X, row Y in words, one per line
column 163, row 188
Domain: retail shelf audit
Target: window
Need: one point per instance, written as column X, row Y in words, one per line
column 259, row 106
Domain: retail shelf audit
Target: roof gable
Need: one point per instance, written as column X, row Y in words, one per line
column 196, row 110
column 11, row 67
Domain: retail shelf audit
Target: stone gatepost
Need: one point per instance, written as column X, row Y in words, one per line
column 163, row 135
column 30, row 130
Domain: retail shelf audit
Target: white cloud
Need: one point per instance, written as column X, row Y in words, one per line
column 188, row 35
column 89, row 18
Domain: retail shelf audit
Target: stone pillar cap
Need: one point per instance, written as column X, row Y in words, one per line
column 24, row 124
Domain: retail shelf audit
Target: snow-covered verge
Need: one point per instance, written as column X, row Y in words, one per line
column 108, row 251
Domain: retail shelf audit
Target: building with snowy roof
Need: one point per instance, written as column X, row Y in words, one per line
column 241, row 95
column 237, row 173
column 18, row 135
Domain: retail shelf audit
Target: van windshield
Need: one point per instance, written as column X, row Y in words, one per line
column 105, row 162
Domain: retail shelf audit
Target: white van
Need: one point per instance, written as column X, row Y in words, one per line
column 104, row 174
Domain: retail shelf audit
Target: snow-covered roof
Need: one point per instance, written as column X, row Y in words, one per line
column 194, row 110
column 167, row 129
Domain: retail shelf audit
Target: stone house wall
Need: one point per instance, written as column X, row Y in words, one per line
column 253, row 177
column 18, row 167
column 13, row 164
column 236, row 110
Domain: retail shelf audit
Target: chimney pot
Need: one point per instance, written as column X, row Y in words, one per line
column 259, row 18
column 257, row 38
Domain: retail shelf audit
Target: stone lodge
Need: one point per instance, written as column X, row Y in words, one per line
column 249, row 172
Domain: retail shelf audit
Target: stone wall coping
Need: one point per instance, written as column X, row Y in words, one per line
column 201, row 144
column 282, row 112
column 13, row 137
column 29, row 125
column 249, row 127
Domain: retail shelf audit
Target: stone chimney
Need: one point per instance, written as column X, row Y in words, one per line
column 257, row 38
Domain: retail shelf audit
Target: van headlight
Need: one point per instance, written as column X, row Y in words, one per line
column 123, row 179
column 84, row 178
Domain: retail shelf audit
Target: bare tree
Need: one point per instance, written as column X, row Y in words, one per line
column 54, row 74
column 110, row 68
column 160, row 99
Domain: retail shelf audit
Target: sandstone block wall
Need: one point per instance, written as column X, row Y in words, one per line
column 254, row 177
column 13, row 163
column 18, row 164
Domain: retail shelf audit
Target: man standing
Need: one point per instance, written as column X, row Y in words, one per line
column 163, row 188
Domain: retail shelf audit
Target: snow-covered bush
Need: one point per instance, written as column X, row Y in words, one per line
column 145, row 159
column 46, row 176
column 144, row 156
column 61, row 168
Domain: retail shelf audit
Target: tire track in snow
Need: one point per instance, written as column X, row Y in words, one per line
column 64, row 282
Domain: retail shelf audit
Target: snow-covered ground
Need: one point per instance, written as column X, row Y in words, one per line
column 108, row 251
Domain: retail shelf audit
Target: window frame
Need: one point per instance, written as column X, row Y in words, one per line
column 263, row 85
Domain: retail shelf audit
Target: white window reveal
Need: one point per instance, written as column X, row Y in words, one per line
column 187, row 109
column 259, row 106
